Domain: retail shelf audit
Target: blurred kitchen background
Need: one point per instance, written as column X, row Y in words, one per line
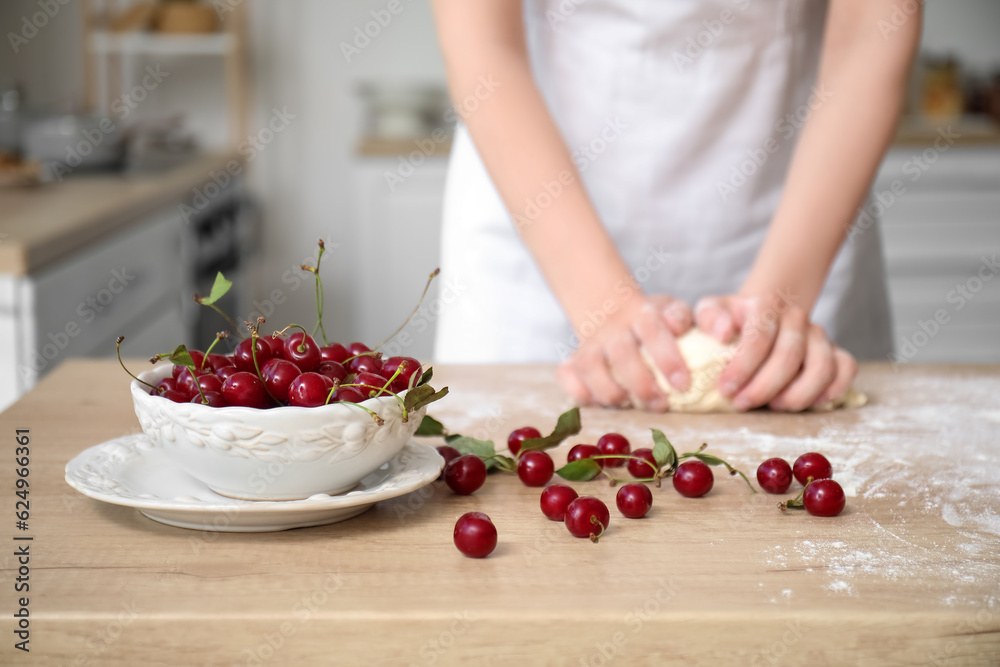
column 145, row 146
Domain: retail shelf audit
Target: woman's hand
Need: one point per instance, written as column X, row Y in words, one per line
column 782, row 360
column 608, row 368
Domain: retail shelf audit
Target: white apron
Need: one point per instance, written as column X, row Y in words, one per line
column 682, row 116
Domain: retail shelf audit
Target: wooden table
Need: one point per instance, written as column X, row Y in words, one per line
column 909, row 574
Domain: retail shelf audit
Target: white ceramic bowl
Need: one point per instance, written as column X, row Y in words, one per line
column 284, row 453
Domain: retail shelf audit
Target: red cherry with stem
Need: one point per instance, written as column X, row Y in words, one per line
column 355, row 349
column 175, row 396
column 535, row 468
column 303, row 351
column 246, row 390
column 824, row 497
column 634, row 500
column 225, row 372
column 166, row 384
column 347, row 395
column 278, row 376
column 587, row 517
column 641, row 470
column 518, row 436
column 308, row 390
column 555, row 499
column 214, row 399
column 217, row 361
column 449, row 454
column 366, row 363
column 410, row 374
column 372, row 384
column 465, row 475
column 584, row 452
column 475, row 535
column 774, row 475
column 186, row 382
column 693, row 479
column 812, row 464
column 243, row 355
column 335, row 352
column 613, row 443
column 210, row 383
column 333, row 370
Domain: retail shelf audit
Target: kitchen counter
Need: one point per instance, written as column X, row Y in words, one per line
column 43, row 224
column 908, row 574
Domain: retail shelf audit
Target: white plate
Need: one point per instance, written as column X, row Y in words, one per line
column 134, row 472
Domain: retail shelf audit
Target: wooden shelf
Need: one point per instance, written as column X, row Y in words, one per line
column 149, row 43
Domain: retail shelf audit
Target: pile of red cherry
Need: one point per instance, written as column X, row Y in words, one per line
column 270, row 371
column 588, row 516
column 821, row 496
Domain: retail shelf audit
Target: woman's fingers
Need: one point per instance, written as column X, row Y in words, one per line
column 593, row 369
column 714, row 316
column 818, row 372
column 657, row 337
column 572, row 383
column 628, row 367
column 847, row 370
column 757, row 336
column 782, row 364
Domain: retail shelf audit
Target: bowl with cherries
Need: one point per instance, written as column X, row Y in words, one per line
column 283, row 416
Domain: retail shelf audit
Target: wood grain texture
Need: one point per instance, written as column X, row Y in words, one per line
column 909, row 574
column 43, row 224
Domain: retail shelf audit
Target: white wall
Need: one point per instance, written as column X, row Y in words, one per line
column 970, row 29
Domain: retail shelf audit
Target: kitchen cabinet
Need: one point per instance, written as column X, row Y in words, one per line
column 102, row 256
column 941, row 227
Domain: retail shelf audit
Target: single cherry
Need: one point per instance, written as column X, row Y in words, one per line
column 214, row 399
column 175, row 396
column 774, row 475
column 518, row 436
column 197, row 356
column 475, row 535
column 824, row 497
column 372, row 384
column 449, row 454
column 366, row 363
column 813, row 465
column 613, row 443
column 186, row 382
column 555, row 499
column 355, row 349
column 225, row 372
column 277, row 345
column 302, row 350
column 333, row 370
column 347, row 395
column 210, row 382
column 639, row 469
column 278, row 375
column 535, row 468
column 634, row 500
column 335, row 352
column 243, row 355
column 693, row 479
column 308, row 390
column 407, row 377
column 217, row 361
column 166, row 384
column 584, row 452
column 587, row 517
column 246, row 390
column 465, row 475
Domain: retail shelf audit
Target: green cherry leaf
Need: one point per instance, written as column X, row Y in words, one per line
column 219, row 289
column 424, row 401
column 181, row 357
column 426, row 377
column 430, row 426
column 484, row 449
column 505, row 463
column 568, row 424
column 663, row 451
column 580, row 470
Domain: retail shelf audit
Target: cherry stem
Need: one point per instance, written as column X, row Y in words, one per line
column 369, row 353
column 402, row 403
column 302, row 344
column 596, row 538
column 796, row 502
column 378, row 420
column 430, row 279
column 223, row 315
column 219, row 336
column 118, row 348
column 253, row 354
column 319, row 292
